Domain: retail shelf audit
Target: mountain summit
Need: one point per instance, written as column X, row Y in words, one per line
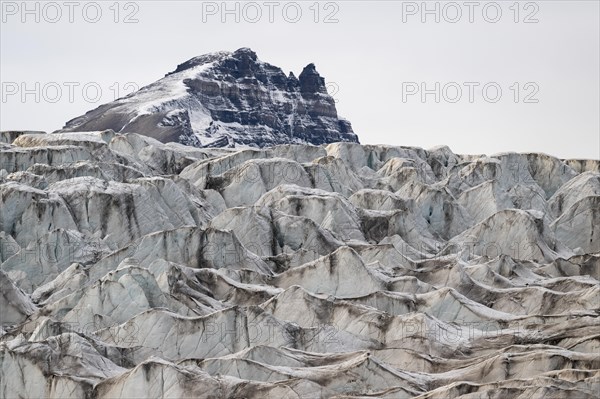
column 226, row 99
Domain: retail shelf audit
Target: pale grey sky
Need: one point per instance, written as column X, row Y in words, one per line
column 376, row 56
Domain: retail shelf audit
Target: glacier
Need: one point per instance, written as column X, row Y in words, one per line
column 131, row 267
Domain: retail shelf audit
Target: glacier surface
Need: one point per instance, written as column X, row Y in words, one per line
column 134, row 268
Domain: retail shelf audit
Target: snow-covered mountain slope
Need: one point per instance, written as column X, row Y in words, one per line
column 226, row 99
column 135, row 268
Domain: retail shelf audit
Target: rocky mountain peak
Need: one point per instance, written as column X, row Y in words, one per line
column 311, row 81
column 245, row 53
column 200, row 60
column 226, row 99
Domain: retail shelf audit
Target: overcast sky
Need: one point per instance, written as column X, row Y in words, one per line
column 377, row 58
